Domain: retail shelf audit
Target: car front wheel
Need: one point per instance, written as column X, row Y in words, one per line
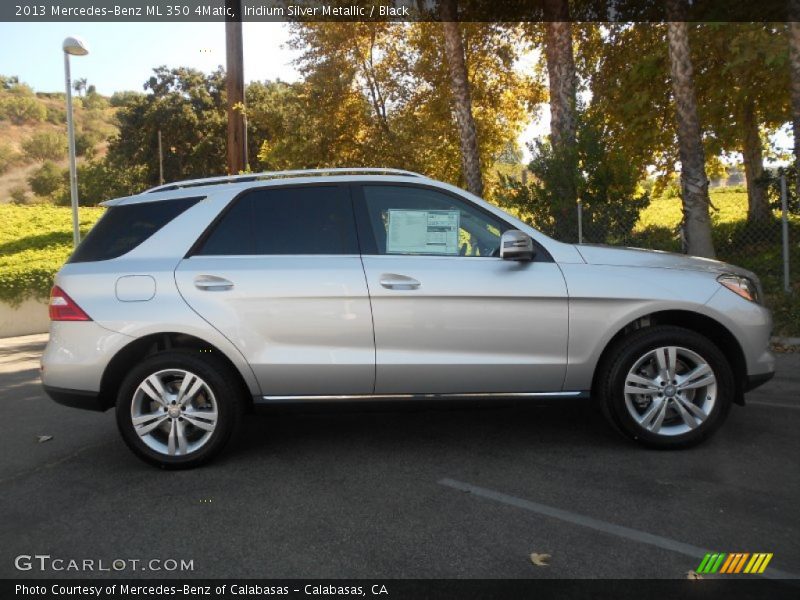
column 666, row 387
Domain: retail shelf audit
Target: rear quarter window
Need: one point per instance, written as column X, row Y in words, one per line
column 123, row 228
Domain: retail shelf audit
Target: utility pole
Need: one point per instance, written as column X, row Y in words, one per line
column 234, row 56
column 160, row 161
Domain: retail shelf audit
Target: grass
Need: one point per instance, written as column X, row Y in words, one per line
column 34, row 242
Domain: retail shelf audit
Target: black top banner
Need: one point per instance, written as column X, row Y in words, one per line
column 398, row 10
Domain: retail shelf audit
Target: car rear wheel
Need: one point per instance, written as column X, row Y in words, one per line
column 178, row 410
column 666, row 387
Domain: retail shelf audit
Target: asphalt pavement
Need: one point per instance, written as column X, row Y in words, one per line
column 420, row 491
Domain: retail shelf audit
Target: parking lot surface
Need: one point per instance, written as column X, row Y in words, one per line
column 418, row 491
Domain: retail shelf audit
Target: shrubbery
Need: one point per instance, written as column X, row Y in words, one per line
column 8, row 156
column 34, row 242
column 46, row 145
column 20, row 109
column 47, row 179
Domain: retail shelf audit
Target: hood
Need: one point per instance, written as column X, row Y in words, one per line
column 638, row 257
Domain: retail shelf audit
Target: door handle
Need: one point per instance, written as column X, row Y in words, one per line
column 211, row 283
column 398, row 282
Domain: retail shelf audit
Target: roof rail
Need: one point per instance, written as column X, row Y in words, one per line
column 280, row 174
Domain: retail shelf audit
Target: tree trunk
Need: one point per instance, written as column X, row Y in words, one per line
column 694, row 183
column 562, row 83
column 462, row 103
column 794, row 65
column 757, row 205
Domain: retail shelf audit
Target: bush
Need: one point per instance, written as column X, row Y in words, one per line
column 85, row 141
column 34, row 243
column 8, row 156
column 125, row 98
column 46, row 145
column 57, row 115
column 19, row 194
column 94, row 101
column 98, row 181
column 20, row 109
column 47, row 179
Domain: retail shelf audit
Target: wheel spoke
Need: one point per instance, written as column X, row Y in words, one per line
column 153, row 387
column 700, row 376
column 206, row 419
column 189, row 387
column 687, row 418
column 667, row 358
column 144, row 424
column 177, row 438
column 693, row 408
column 652, row 419
column 638, row 384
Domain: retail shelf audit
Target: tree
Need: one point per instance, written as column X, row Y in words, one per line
column 562, row 83
column 189, row 109
column 794, row 69
column 743, row 88
column 379, row 94
column 79, row 85
column 694, row 183
column 462, row 102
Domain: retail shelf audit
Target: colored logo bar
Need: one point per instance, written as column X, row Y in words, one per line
column 736, row 562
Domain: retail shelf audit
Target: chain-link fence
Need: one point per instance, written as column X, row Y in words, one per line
column 770, row 247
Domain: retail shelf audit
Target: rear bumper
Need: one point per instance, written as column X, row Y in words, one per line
column 76, row 398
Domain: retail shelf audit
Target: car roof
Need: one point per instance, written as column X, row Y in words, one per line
column 236, row 183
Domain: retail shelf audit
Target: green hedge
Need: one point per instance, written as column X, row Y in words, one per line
column 34, row 242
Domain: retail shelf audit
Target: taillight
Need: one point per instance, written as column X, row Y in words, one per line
column 64, row 308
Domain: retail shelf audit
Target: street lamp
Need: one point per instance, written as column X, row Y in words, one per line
column 76, row 47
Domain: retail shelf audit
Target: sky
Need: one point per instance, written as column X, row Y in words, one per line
column 122, row 55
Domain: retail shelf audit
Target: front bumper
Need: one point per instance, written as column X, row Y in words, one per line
column 754, row 381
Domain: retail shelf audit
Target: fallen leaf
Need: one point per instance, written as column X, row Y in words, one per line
column 693, row 575
column 540, row 560
column 45, row 438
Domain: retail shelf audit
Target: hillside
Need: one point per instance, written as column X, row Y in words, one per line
column 33, row 132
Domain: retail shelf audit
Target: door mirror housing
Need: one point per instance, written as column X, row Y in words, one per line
column 516, row 245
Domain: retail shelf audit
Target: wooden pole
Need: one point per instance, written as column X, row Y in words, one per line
column 234, row 55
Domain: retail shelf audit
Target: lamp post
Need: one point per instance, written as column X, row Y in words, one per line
column 76, row 47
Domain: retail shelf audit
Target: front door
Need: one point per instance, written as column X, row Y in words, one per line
column 450, row 316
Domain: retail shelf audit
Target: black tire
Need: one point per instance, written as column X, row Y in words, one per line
column 225, row 387
column 614, row 369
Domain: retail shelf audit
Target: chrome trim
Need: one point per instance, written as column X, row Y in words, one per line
column 510, row 395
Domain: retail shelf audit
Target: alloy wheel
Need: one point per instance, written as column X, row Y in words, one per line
column 670, row 390
column 174, row 412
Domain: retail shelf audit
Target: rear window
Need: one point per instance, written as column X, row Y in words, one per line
column 124, row 227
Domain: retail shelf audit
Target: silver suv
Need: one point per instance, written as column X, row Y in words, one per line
column 188, row 303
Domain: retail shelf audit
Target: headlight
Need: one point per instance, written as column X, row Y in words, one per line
column 742, row 286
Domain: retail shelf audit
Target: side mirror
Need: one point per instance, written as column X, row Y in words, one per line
column 515, row 245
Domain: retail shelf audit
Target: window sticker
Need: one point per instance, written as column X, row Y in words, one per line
column 423, row 232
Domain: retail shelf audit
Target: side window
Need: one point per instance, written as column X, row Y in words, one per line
column 293, row 220
column 417, row 220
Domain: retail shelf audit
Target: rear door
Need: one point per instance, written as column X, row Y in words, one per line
column 279, row 274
